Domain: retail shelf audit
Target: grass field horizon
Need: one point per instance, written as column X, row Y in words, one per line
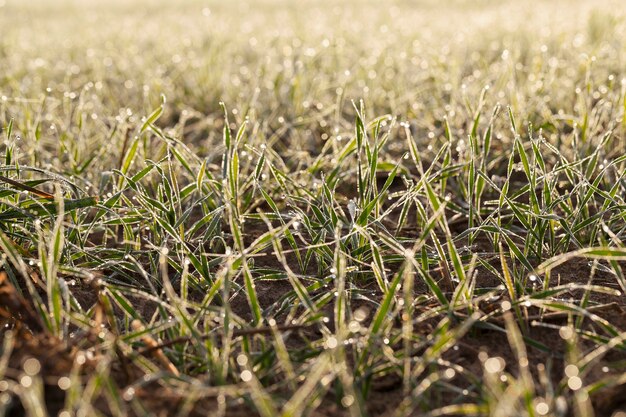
column 313, row 208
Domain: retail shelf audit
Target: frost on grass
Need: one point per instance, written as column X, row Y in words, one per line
column 339, row 209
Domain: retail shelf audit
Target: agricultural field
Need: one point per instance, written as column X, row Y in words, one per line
column 313, row 208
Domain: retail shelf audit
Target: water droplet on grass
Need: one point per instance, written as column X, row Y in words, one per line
column 571, row 370
column 129, row 394
column 331, row 342
column 575, row 383
column 64, row 383
column 32, row 366
column 26, row 381
column 494, row 365
column 566, row 332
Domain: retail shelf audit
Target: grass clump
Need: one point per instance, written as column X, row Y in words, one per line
column 319, row 209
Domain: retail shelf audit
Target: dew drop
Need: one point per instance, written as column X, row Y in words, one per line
column 26, row 381
column 347, row 401
column 246, row 376
column 32, row 366
column 494, row 365
column 542, row 408
column 571, row 370
column 64, row 383
column 129, row 394
column 331, row 342
column 575, row 383
column 242, row 359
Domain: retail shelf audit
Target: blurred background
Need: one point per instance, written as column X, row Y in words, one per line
column 300, row 64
